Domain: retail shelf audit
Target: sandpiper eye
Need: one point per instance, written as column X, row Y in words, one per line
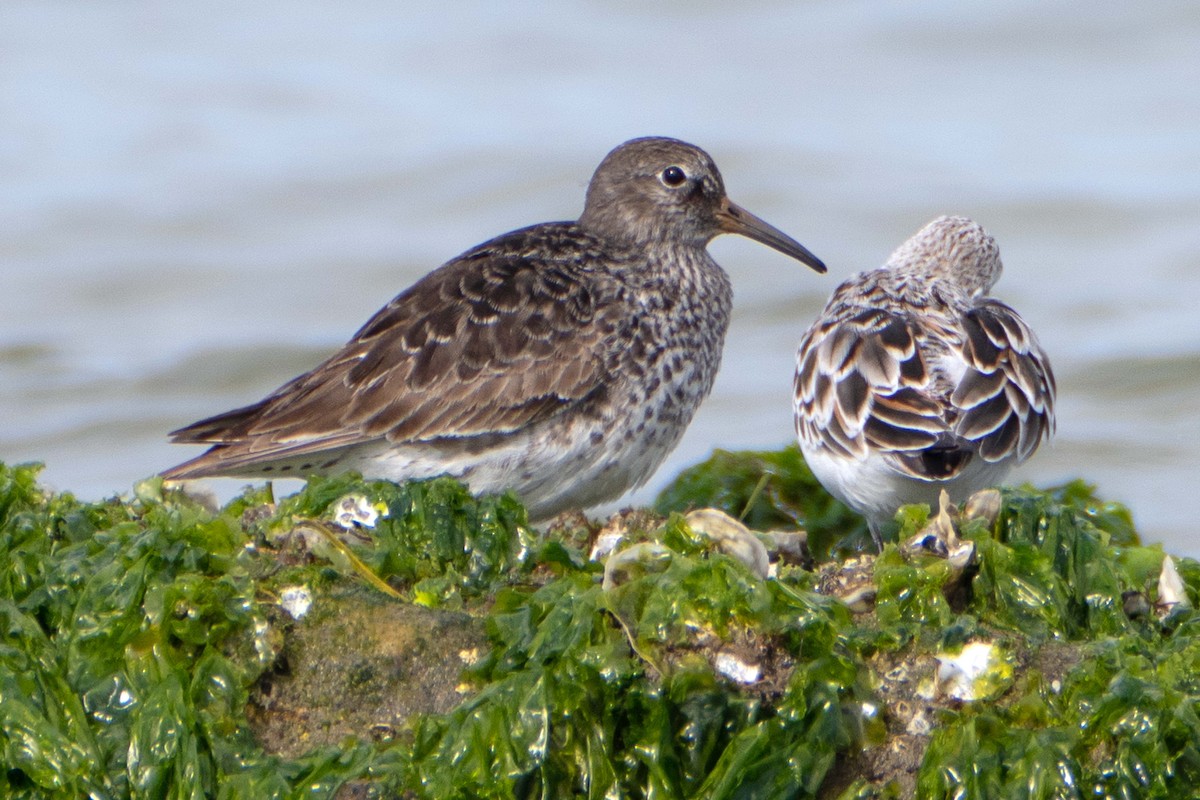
column 673, row 177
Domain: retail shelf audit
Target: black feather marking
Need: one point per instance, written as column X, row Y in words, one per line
column 905, row 416
column 1002, row 443
column 823, row 394
column 977, row 387
column 877, row 364
column 897, row 336
column 893, row 437
column 944, row 462
column 985, row 418
column 852, row 395
column 915, row 400
column 1017, row 399
column 835, row 437
column 980, row 349
column 912, row 370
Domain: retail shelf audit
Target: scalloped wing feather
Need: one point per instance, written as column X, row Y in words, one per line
column 1006, row 396
column 423, row 367
column 902, row 383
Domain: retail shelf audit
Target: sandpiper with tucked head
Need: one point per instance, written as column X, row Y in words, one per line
column 562, row 360
column 912, row 380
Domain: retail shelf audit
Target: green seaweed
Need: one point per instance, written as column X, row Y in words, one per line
column 138, row 633
column 435, row 538
column 767, row 490
column 634, row 709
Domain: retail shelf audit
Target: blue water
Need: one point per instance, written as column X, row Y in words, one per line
column 198, row 201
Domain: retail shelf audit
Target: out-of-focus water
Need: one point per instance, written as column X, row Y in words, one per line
column 198, row 201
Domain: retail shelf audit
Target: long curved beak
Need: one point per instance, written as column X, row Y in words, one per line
column 732, row 218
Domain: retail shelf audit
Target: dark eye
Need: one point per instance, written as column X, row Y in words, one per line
column 673, row 176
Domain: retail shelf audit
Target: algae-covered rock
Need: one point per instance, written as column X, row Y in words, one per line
column 376, row 640
column 360, row 665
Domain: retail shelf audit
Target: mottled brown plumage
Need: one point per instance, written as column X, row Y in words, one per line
column 563, row 360
column 912, row 381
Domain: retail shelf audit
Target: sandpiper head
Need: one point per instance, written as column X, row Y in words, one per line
column 956, row 249
column 663, row 190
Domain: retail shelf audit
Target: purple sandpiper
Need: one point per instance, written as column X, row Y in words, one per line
column 913, row 380
column 562, row 361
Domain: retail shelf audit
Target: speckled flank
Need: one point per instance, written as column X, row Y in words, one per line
column 563, row 360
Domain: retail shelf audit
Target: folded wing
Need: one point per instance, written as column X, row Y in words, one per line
column 487, row 344
column 929, row 400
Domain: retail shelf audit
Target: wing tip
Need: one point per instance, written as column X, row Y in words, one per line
column 205, row 465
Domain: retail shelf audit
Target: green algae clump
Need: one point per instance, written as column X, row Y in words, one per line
column 153, row 647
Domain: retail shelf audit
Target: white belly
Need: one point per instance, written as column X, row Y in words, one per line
column 872, row 488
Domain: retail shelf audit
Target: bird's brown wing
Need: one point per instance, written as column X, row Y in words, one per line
column 874, row 380
column 1006, row 396
column 862, row 383
column 508, row 334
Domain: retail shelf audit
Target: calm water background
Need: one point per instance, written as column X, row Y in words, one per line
column 199, row 201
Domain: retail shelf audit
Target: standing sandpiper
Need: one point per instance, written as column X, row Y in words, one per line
column 562, row 361
column 912, row 381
